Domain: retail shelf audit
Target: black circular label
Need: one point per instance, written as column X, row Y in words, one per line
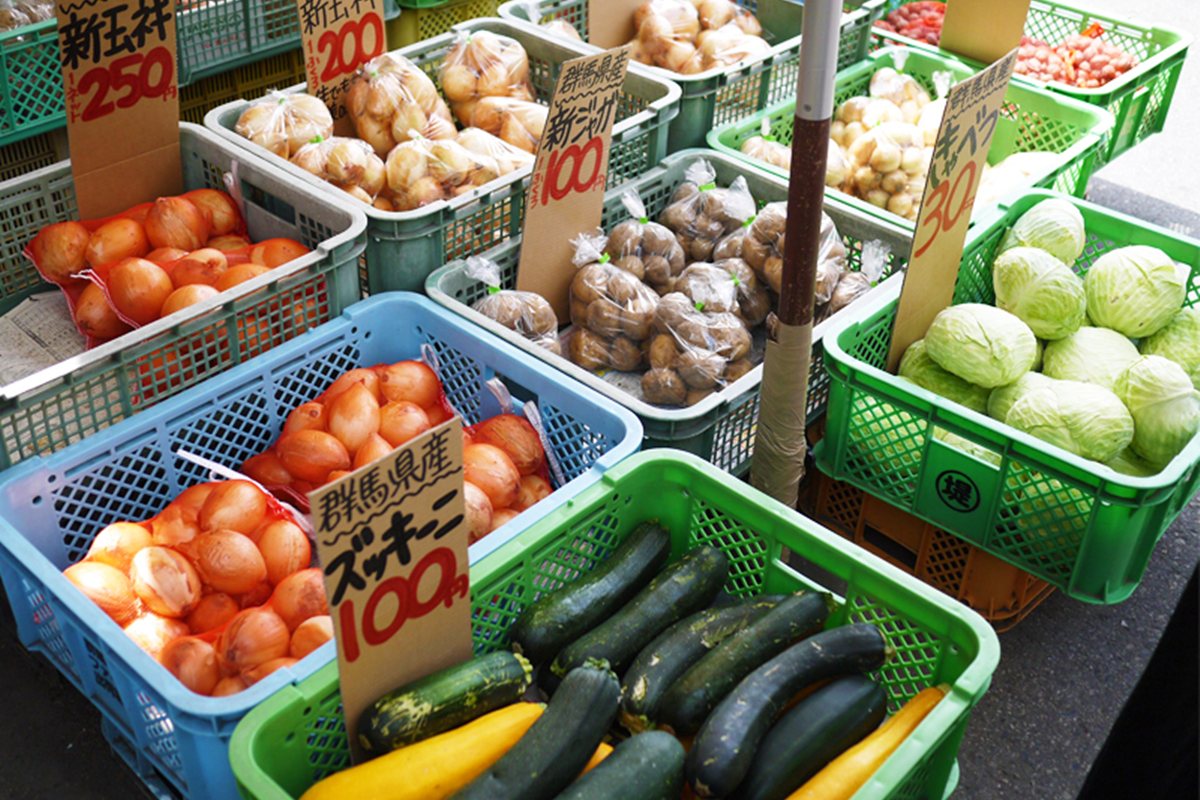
column 958, row 491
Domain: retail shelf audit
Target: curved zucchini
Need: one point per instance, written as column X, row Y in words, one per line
column 692, row 698
column 648, row 766
column 678, row 647
column 444, row 700
column 681, row 589
column 558, row 746
column 560, row 617
column 812, row 734
column 725, row 746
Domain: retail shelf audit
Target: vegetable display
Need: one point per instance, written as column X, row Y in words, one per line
column 24, row 12
column 693, row 36
column 217, row 587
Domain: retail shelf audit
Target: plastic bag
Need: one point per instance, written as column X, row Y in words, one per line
column 701, row 213
column 888, row 166
column 18, row 14
column 555, row 27
column 349, row 164
column 855, row 284
column 764, row 246
column 1019, row 169
column 612, row 310
column 518, row 122
column 666, row 34
column 645, row 249
column 527, row 313
column 283, row 123
column 709, row 287
column 891, row 85
column 422, row 171
column 481, row 143
column 484, row 64
column 391, row 96
column 692, row 351
column 754, row 301
column 729, row 45
column 719, row 13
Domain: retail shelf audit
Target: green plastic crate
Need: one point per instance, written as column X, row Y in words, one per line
column 298, row 735
column 719, row 96
column 403, row 247
column 26, row 155
column 425, row 19
column 249, row 80
column 1138, row 100
column 44, row 412
column 721, row 427
column 1031, row 119
column 1074, row 523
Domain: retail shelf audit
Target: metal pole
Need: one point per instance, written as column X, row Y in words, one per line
column 780, row 445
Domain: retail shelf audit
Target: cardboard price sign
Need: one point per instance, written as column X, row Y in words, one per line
column 566, row 193
column 983, row 30
column 339, row 36
column 122, row 100
column 392, row 539
column 610, row 22
column 959, row 155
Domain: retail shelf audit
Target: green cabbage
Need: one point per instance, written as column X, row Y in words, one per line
column 1041, row 290
column 981, row 344
column 1180, row 342
column 1134, row 290
column 1085, row 419
column 1165, row 407
column 1092, row 355
column 1128, row 462
column 918, row 367
column 1001, row 400
column 1054, row 225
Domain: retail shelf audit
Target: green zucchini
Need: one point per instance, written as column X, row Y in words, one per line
column 681, row 589
column 724, row 748
column 693, row 697
column 560, row 617
column 648, row 766
column 555, row 750
column 809, row 736
column 446, row 699
column 678, row 647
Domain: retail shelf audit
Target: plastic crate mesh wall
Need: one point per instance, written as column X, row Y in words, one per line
column 436, row 21
column 32, row 86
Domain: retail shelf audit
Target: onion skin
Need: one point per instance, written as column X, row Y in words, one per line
column 239, row 275
column 228, row 243
column 60, row 250
column 186, row 296
column 229, row 685
column 410, row 381
column 354, row 416
column 205, row 266
column 256, row 674
column 267, row 469
column 167, row 255
column 489, row 468
column 138, row 288
column 235, row 505
column 373, row 449
column 300, row 596
column 95, row 316
column 194, row 497
column 401, row 421
column 502, row 516
column 517, row 438
column 311, row 634
column 284, row 548
column 222, row 213
column 311, row 455
column 194, row 662
column 531, row 489
column 349, row 379
column 213, row 611
column 310, row 416
column 114, row 240
column 479, row 512
column 255, row 636
column 117, row 544
column 107, row 587
column 176, row 525
column 228, row 561
column 153, row 633
column 165, row 581
column 178, row 222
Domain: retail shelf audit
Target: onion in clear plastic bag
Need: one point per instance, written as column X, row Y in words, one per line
column 484, row 64
column 283, row 123
column 422, row 171
column 390, row 97
column 517, row 122
column 349, row 164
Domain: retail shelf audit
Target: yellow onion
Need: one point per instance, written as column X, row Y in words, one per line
column 194, row 662
column 238, row 275
column 367, row 377
column 479, row 512
column 373, row 449
column 517, row 438
column 299, row 596
column 138, row 288
column 256, row 674
column 311, row 634
column 165, row 581
column 59, row 250
column 228, row 243
column 229, row 685
column 213, row 611
column 237, row 505
column 228, row 561
column 221, row 211
column 285, row 549
column 410, row 381
column 114, row 240
column 308, row 416
column 152, row 633
column 267, row 469
column 401, row 421
column 186, row 296
column 194, row 497
column 117, row 544
column 95, row 315
column 178, row 222
column 490, row 469
column 260, row 594
column 205, row 266
column 276, row 252
column 502, row 516
column 311, row 455
column 105, row 586
column 255, row 636
column 176, row 525
column 354, row 416
column 167, row 255
column 531, row 489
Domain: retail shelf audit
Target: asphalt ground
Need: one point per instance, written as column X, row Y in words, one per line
column 1065, row 670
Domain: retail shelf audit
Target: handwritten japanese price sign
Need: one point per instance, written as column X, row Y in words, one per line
column 392, row 539
column 959, row 155
column 122, row 101
column 566, row 193
column 339, row 36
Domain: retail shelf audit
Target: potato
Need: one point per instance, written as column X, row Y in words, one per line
column 625, row 355
column 588, row 350
column 662, row 351
column 664, row 387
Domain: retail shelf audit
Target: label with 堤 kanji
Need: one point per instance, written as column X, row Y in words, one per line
column 122, row 101
column 959, row 155
column 338, row 37
column 566, row 193
column 392, row 540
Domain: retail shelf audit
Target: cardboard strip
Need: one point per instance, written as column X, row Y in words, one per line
column 780, row 444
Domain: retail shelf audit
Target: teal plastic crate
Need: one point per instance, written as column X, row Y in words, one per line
column 1031, row 119
column 721, row 427
column 425, row 19
column 1074, row 523
column 1138, row 100
column 719, row 96
column 403, row 247
column 298, row 736
column 46, row 411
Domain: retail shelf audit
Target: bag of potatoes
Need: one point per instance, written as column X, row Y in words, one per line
column 421, row 171
column 283, row 123
column 611, row 309
column 694, row 352
column 527, row 313
column 646, row 249
column 701, row 213
column 481, row 143
column 763, row 249
column 518, row 122
column 853, row 285
column 349, row 164
column 728, row 285
column 484, row 64
column 391, row 96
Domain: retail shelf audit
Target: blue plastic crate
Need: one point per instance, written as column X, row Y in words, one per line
column 51, row 508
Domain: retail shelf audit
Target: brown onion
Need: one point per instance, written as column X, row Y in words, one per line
column 238, row 275
column 256, row 596
column 502, row 516
column 175, row 525
column 204, row 266
column 410, row 381
column 164, row 256
column 299, row 596
column 276, row 252
column 255, row 636
column 229, row 685
column 490, row 469
column 165, row 581
column 285, row 549
column 350, row 378
column 437, row 414
column 221, row 211
column 213, row 611
column 237, row 505
column 517, row 438
column 178, row 222
column 186, row 296
column 402, row 421
column 228, row 561
column 256, row 674
column 479, row 512
column 311, row 634
column 228, row 243
column 267, row 469
column 312, row 455
column 95, row 315
column 373, row 449
column 308, row 416
column 194, row 497
column 153, row 633
column 194, row 662
column 117, row 544
column 107, row 587
column 354, row 416
column 114, row 240
column 532, row 489
column 138, row 288
column 59, row 250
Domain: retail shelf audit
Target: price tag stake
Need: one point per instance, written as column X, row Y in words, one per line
column 338, row 37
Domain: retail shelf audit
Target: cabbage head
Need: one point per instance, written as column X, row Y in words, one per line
column 1130, row 463
column 981, row 344
column 1001, row 400
column 1054, row 225
column 1134, row 290
column 1091, row 355
column 1086, row 419
column 918, row 367
column 1041, row 290
column 1180, row 342
column 1165, row 407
